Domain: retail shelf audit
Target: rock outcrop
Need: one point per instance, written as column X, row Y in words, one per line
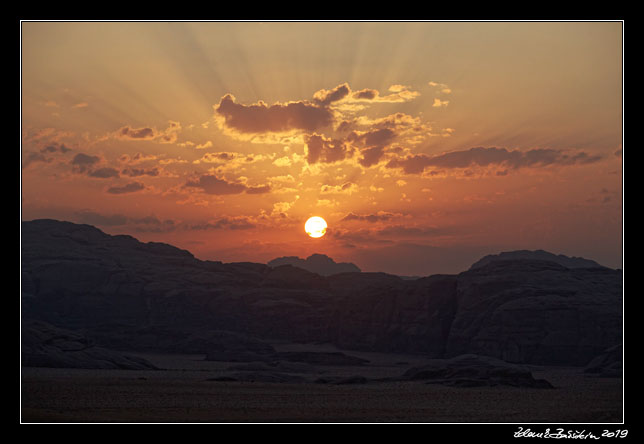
column 537, row 255
column 44, row 345
column 536, row 312
column 316, row 263
column 608, row 364
column 128, row 295
column 474, row 371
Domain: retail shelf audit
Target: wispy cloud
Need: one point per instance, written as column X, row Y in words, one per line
column 322, row 149
column 211, row 184
column 131, row 187
column 376, row 217
column 81, row 163
column 168, row 135
column 483, row 157
column 442, row 87
column 278, row 118
column 438, row 103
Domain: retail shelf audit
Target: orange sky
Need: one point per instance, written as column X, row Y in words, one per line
column 424, row 145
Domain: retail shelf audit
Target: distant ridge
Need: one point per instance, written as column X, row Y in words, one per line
column 316, row 263
column 568, row 262
column 123, row 295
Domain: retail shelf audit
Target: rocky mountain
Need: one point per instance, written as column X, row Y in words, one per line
column 123, row 294
column 316, row 263
column 44, row 345
column 474, row 371
column 608, row 364
column 538, row 255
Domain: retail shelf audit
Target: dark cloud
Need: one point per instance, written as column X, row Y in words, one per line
column 483, row 157
column 82, row 162
column 374, row 143
column 261, row 118
column 85, row 164
column 579, row 158
column 39, row 156
column 55, row 148
column 380, row 216
column 127, row 132
column 371, row 156
column 222, row 156
column 34, row 157
column 227, row 223
column 325, row 97
column 345, row 125
column 137, row 158
column 104, row 173
column 335, row 189
column 136, row 172
column 379, row 137
column 412, row 164
column 368, row 94
column 131, row 187
column 169, row 135
column 211, row 184
column 321, row 149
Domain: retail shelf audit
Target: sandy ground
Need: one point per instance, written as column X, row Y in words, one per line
column 182, row 393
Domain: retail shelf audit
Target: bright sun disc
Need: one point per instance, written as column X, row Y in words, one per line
column 315, row 226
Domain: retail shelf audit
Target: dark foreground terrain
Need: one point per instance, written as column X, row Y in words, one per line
column 115, row 330
column 186, row 392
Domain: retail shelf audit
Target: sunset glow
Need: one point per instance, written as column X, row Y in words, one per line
column 425, row 145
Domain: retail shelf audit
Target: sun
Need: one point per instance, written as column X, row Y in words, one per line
column 315, row 226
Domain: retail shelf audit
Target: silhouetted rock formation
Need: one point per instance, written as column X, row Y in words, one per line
column 44, row 345
column 157, row 338
column 474, row 371
column 536, row 312
column 316, row 263
column 608, row 364
column 538, row 255
column 128, row 295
